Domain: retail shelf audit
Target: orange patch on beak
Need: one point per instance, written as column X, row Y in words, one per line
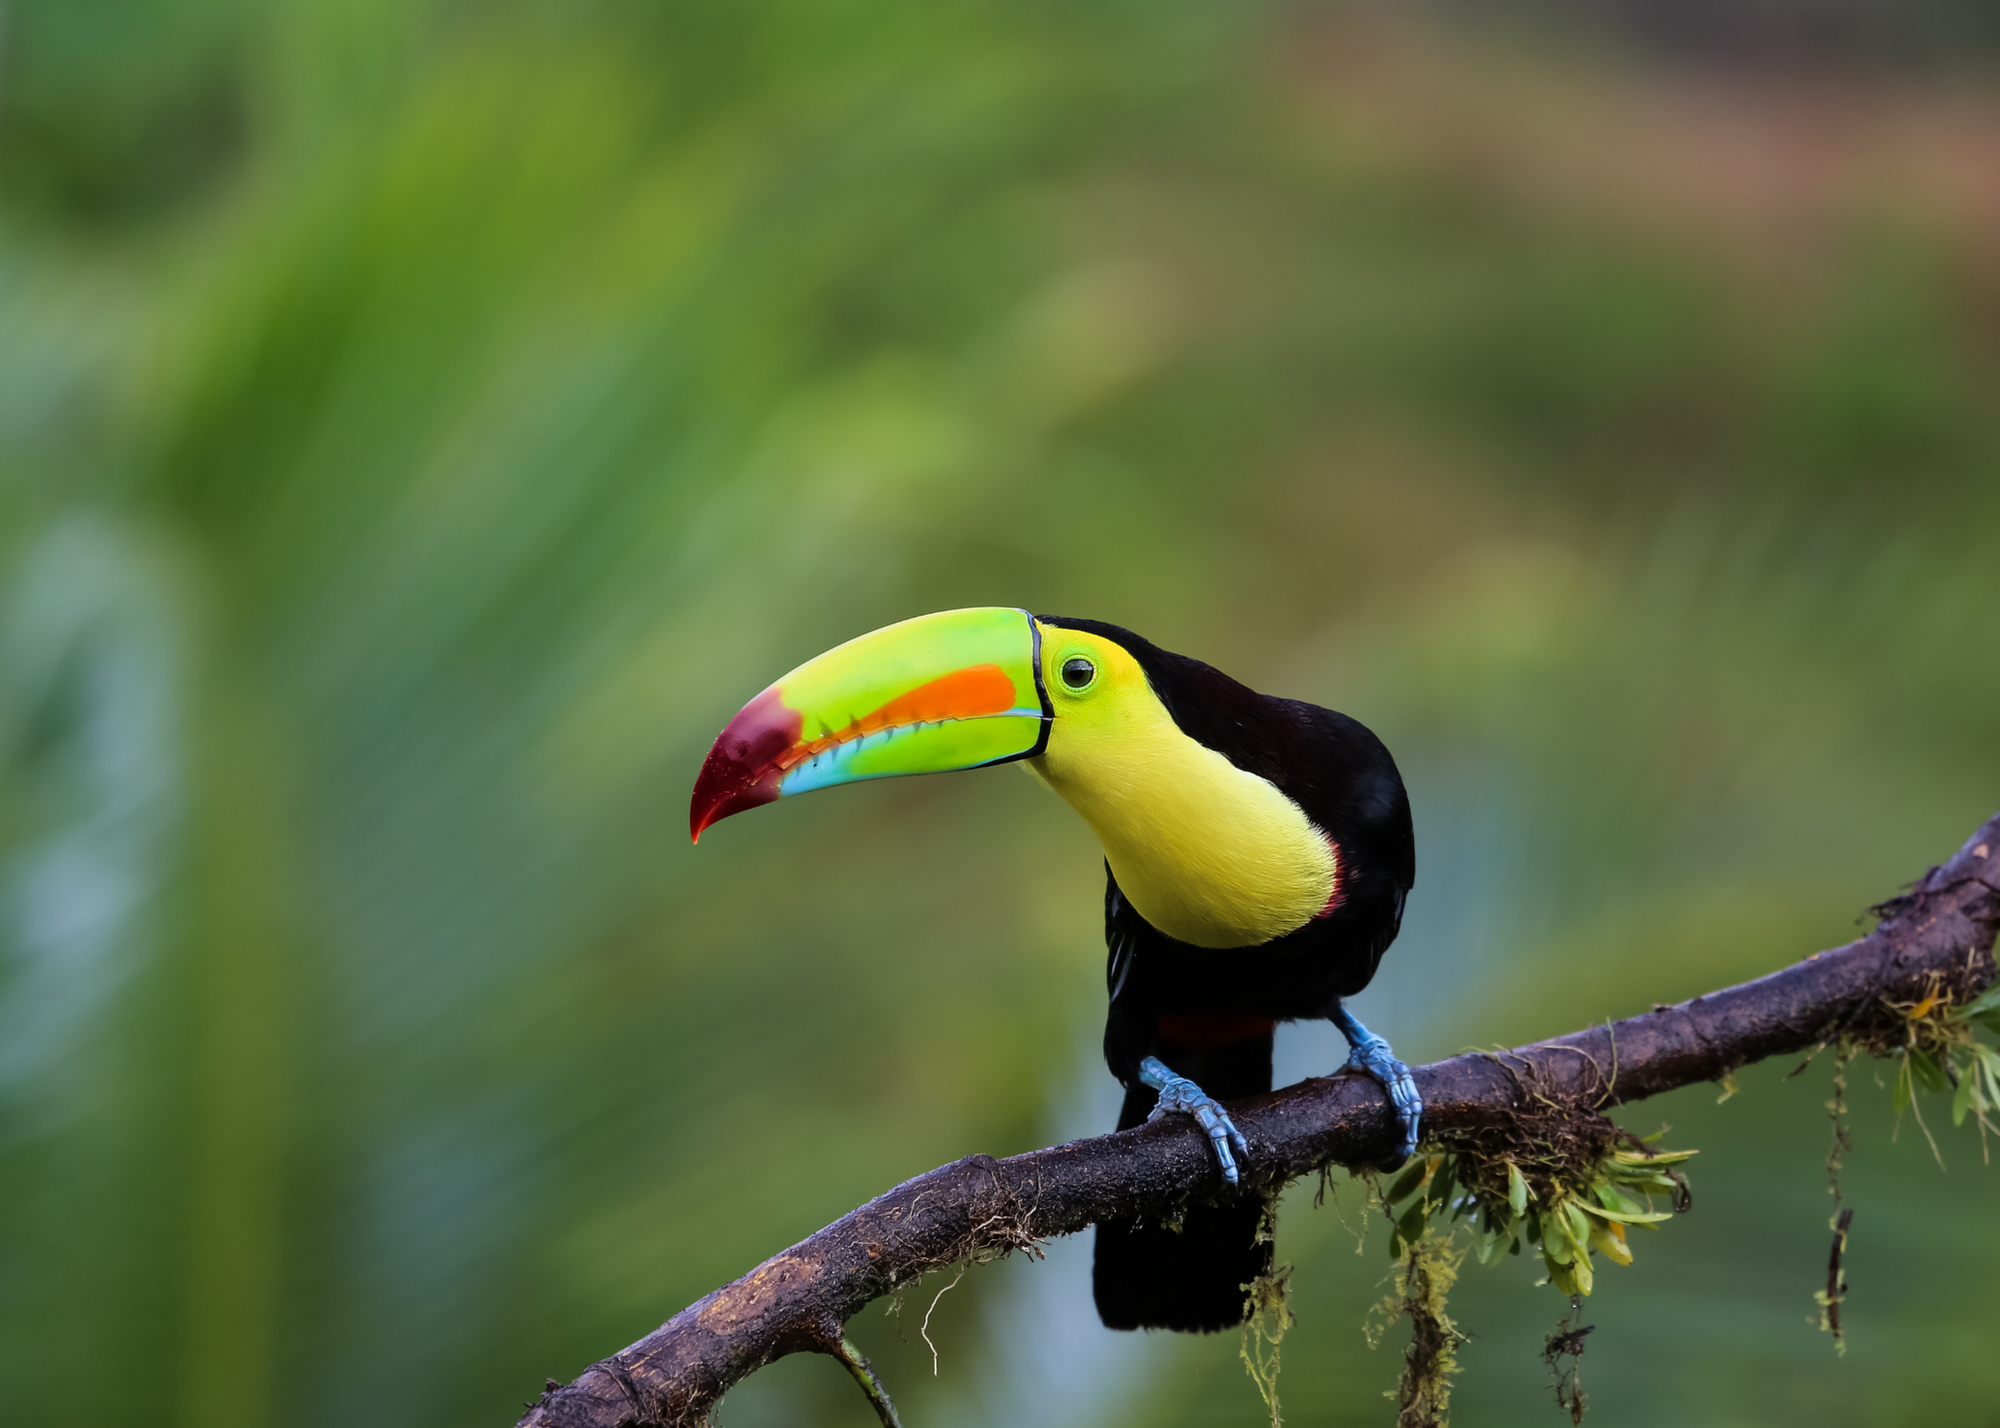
column 962, row 694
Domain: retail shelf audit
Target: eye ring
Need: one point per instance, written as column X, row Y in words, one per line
column 1078, row 674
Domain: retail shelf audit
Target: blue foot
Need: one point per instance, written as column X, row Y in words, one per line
column 1370, row 1054
column 1177, row 1093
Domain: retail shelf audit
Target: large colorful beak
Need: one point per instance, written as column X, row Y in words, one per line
column 955, row 690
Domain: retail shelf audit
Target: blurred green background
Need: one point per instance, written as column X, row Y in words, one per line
column 423, row 424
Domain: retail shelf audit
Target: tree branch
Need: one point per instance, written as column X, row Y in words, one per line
column 1937, row 937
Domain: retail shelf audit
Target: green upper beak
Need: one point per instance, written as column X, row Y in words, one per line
column 954, row 690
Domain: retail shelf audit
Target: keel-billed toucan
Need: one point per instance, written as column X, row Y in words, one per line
column 1258, row 852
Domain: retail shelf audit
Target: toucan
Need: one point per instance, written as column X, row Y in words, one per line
column 1258, row 852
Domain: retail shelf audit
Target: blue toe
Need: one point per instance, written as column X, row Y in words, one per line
column 1371, row 1055
column 1375, row 1059
column 1178, row 1094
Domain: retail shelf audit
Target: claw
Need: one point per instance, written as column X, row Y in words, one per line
column 1371, row 1055
column 1177, row 1093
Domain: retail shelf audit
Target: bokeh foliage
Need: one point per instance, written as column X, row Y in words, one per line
column 421, row 426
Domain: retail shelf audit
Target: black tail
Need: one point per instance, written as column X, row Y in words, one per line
column 1151, row 1276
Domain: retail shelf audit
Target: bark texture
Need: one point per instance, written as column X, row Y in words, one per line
column 1938, row 937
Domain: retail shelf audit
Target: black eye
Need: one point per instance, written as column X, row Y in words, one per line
column 1077, row 673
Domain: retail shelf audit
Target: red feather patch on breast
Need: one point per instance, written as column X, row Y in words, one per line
column 1338, row 895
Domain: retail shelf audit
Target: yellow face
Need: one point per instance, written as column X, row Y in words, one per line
column 1207, row 853
column 1099, row 691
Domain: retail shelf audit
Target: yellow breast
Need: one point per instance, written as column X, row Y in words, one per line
column 1205, row 852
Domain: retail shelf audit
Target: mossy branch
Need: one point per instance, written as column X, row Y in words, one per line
column 1937, row 940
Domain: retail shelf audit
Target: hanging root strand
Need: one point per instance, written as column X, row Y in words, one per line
column 1423, row 1283
column 1562, row 1351
column 1267, row 1315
